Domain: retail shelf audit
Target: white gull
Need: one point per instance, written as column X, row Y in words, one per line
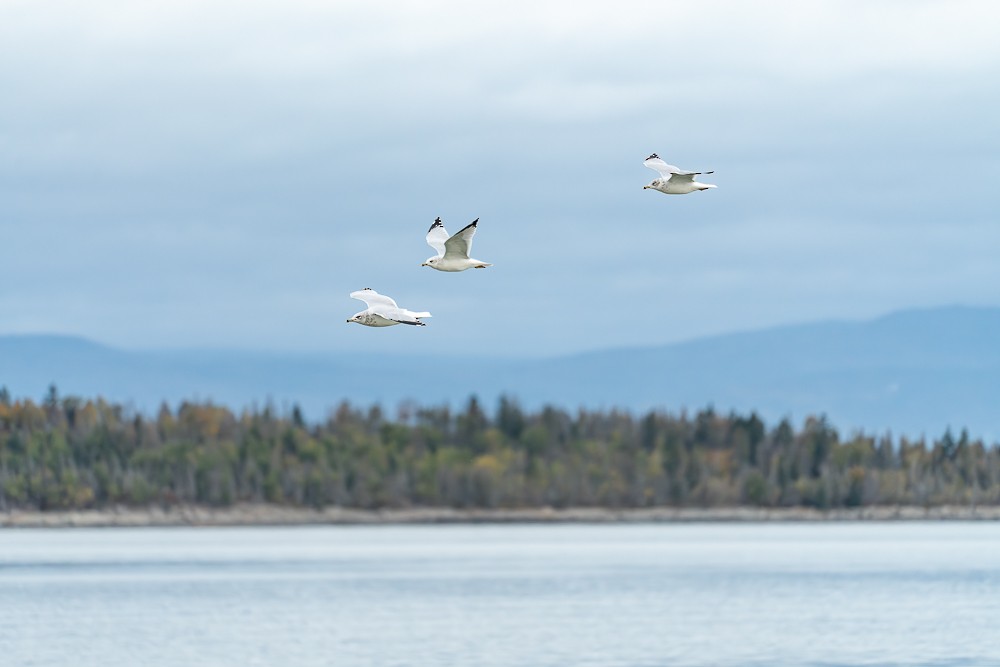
column 383, row 311
column 673, row 180
column 452, row 251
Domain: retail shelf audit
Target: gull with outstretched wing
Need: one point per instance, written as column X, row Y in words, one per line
column 452, row 251
column 673, row 180
column 382, row 311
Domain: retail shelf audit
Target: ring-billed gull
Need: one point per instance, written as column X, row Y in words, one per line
column 672, row 180
column 452, row 252
column 383, row 311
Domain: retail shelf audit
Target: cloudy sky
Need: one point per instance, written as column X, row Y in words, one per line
column 223, row 174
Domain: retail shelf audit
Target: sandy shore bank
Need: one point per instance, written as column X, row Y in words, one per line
column 267, row 515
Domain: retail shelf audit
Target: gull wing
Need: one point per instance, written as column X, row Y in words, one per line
column 373, row 298
column 659, row 166
column 404, row 316
column 670, row 171
column 460, row 245
column 683, row 177
column 687, row 176
column 437, row 236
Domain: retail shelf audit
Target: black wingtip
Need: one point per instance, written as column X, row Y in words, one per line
column 654, row 156
column 474, row 224
column 436, row 223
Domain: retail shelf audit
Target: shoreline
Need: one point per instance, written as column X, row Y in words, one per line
column 277, row 515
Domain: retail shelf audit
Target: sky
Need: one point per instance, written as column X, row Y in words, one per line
column 218, row 174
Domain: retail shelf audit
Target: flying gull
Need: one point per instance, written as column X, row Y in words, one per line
column 383, row 311
column 452, row 252
column 673, row 181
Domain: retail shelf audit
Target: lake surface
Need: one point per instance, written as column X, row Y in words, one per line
column 716, row 595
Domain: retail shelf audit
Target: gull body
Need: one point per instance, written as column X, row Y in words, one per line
column 452, row 251
column 673, row 180
column 383, row 311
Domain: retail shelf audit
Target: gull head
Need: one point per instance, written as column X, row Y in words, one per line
column 356, row 318
column 431, row 262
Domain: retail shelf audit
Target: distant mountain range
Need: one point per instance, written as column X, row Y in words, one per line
column 911, row 372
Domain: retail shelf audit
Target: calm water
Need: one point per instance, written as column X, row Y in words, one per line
column 718, row 595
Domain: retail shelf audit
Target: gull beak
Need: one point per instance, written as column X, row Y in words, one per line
column 348, row 321
column 425, row 264
column 645, row 187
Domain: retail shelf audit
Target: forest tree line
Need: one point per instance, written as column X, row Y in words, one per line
column 76, row 453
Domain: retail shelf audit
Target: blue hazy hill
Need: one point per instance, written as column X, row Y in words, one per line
column 912, row 372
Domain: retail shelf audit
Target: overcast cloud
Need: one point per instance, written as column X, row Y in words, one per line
column 222, row 174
